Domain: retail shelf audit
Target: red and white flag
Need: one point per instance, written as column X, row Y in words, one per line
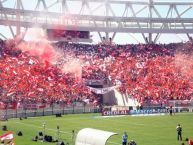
column 2, row 105
column 7, row 136
column 42, row 106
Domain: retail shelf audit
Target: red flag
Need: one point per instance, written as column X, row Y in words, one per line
column 42, row 106
column 2, row 105
column 7, row 136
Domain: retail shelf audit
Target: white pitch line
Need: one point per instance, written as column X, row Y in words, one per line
column 113, row 116
column 113, row 142
column 55, row 130
column 42, row 127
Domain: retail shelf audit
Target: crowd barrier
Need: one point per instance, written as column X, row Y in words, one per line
column 48, row 111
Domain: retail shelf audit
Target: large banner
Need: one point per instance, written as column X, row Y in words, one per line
column 34, row 106
column 2, row 106
column 30, row 106
column 147, row 111
column 113, row 113
column 12, row 105
column 134, row 112
column 94, row 82
column 102, row 90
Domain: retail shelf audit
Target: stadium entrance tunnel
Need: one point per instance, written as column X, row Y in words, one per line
column 89, row 136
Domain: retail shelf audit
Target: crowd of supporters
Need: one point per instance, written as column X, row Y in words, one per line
column 25, row 78
column 151, row 73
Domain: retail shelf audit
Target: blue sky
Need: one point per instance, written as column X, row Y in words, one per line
column 118, row 9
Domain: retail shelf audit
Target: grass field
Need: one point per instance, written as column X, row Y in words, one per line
column 150, row 130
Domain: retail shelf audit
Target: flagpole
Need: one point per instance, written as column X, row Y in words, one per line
column 44, row 128
column 58, row 133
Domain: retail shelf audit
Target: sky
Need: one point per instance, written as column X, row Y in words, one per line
column 121, row 38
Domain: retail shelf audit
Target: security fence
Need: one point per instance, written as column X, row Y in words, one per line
column 54, row 109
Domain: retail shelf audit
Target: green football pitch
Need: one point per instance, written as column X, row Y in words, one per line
column 149, row 130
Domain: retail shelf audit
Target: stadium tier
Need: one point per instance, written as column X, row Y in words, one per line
column 150, row 73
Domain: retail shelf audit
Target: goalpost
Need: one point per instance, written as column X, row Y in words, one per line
column 182, row 105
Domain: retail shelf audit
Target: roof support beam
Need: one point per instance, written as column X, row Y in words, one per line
column 100, row 16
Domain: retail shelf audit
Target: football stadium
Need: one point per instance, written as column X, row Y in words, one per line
column 96, row 72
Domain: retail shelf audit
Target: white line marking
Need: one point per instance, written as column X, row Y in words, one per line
column 42, row 127
column 64, row 132
column 109, row 116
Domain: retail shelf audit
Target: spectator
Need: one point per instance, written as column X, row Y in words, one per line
column 190, row 141
column 170, row 110
column 132, row 142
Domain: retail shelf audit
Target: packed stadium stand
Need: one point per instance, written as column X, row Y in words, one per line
column 149, row 73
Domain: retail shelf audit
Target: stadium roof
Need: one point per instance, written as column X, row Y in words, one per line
column 126, row 21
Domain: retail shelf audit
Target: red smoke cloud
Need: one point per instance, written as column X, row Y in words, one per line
column 36, row 44
column 184, row 64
